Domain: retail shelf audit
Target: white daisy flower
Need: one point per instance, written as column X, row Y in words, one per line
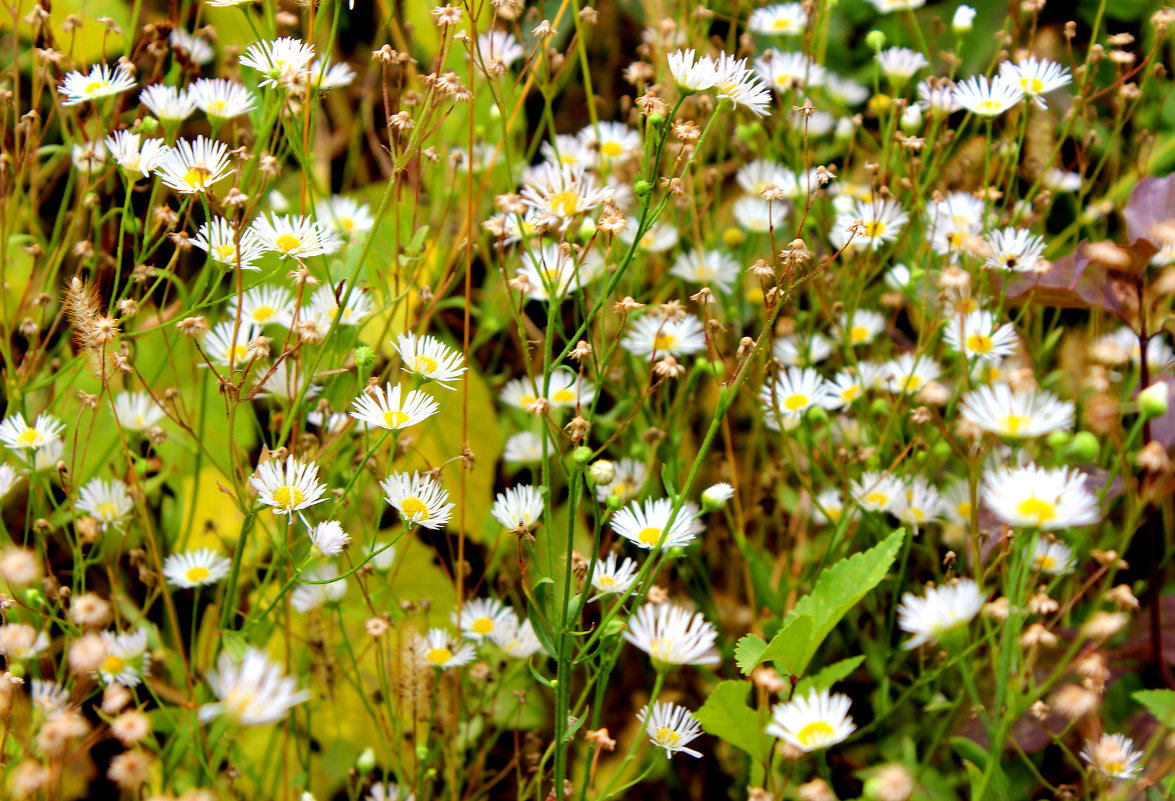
column 1058, row 180
column 21, row 641
column 910, row 373
column 883, row 220
column 281, row 62
column 977, row 335
column 715, row 496
column 818, row 720
column 428, row 358
column 845, row 389
column 566, row 389
column 611, row 140
column 499, row 48
column 645, row 524
column 690, row 74
column 326, row 308
column 800, row 351
column 844, row 90
column 295, row 237
column 568, row 150
column 650, row 335
column 15, row 433
column 888, row 6
column 193, row 167
column 756, row 176
column 613, row 576
column 221, row 99
column 786, row 71
column 1039, row 497
column 420, row 500
column 562, row 191
column 1114, row 756
column 1035, row 77
column 781, row 19
column 942, row 609
column 516, row 639
column 199, row 51
column 290, row 487
column 346, row 215
column 957, row 503
column 167, row 103
column 439, row 650
column 671, row 635
column 938, row 94
column 986, row 98
column 138, row 157
column 252, row 690
column 671, row 727
column 1051, row 557
column 549, row 268
column 741, row 86
column 219, row 240
column 136, row 411
column 481, row 617
column 524, row 447
column 8, row 479
column 795, row 391
column 628, row 476
column 709, row 267
column 1016, row 249
column 221, row 347
column 101, row 81
column 319, row 586
column 860, row 327
column 195, row 568
column 328, row 538
column 323, row 75
column 950, row 221
column 266, row 305
column 393, row 409
column 49, row 696
column 1015, row 414
column 108, row 502
column 126, row 657
column 759, row 216
column 878, row 492
column 899, row 64
column 919, row 503
column 828, row 506
column 518, row 507
column 89, row 157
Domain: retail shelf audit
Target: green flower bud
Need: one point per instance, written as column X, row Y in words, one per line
column 879, row 406
column 581, row 454
column 1152, row 401
column 876, row 41
column 1059, row 440
column 602, row 472
column 364, row 357
column 1083, row 448
column 147, row 125
column 613, row 628
column 942, row 449
column 614, row 502
column 642, row 188
column 366, row 761
column 817, row 415
column 655, row 120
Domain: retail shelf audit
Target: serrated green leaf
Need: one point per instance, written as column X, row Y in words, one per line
column 839, row 588
column 747, row 652
column 727, row 716
column 1160, row 703
column 829, row 676
column 790, row 645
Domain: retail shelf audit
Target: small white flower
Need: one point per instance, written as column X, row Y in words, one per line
column 976, row 335
column 819, row 720
column 126, row 657
column 294, row 237
column 518, row 507
column 252, row 690
column 1052, row 558
column 782, row 19
column 613, row 576
column 708, row 267
column 167, row 103
column 517, row 639
column 652, row 336
column 17, row 434
column 941, row 610
column 692, row 75
column 136, row 411
column 393, row 409
column 419, row 500
column 328, row 538
column 345, row 215
column 281, row 62
column 220, row 241
column 138, row 157
column 108, row 502
column 100, row 82
column 436, row 649
column 193, row 167
column 288, row 488
column 671, row 635
column 195, row 568
column 1114, row 756
column 317, row 587
column 1035, row 77
column 986, row 98
column 481, row 617
column 221, row 99
column 429, row 358
column 221, row 346
column 645, row 524
column 1015, row 414
column 1039, row 497
column 671, row 727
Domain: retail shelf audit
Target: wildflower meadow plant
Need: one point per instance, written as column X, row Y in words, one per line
column 534, row 401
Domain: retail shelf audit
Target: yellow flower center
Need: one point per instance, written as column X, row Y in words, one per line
column 288, row 496
column 781, row 25
column 287, row 243
column 237, row 701
column 607, row 582
column 225, row 253
column 1045, row 562
column 1032, row 86
column 28, row 437
column 611, row 149
column 240, row 352
column 564, row 203
column 859, row 334
column 96, row 86
column 414, row 508
column 483, row 625
column 989, row 107
column 911, row 383
column 796, row 402
column 425, row 364
column 650, row 536
column 874, row 228
column 106, row 511
column 196, row 574
column 263, row 313
column 1038, row 509
column 114, row 664
column 565, row 395
column 979, row 343
column 439, row 656
column 395, row 419
column 850, row 393
column 815, row 734
column 197, row 176
column 667, row 737
column 526, row 400
column 216, row 108
column 1013, row 423
column 963, row 510
column 877, row 498
column 664, row 341
column 347, row 224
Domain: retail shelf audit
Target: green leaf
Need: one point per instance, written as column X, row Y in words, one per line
column 747, row 652
column 975, row 758
column 727, row 716
column 839, row 588
column 1160, row 703
column 789, row 646
column 829, row 676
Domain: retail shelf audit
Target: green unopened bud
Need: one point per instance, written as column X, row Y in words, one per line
column 942, row 449
column 875, row 40
column 1152, row 401
column 879, row 406
column 581, row 455
column 716, row 496
column 655, row 120
column 366, row 761
column 817, row 414
column 642, row 188
column 1083, row 448
column 614, row 502
column 33, row 597
column 421, row 753
column 364, row 357
column 147, row 125
column 613, row 628
column 602, row 472
column 1059, row 440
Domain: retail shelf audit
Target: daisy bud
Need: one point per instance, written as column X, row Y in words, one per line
column 602, row 472
column 875, row 40
column 366, row 761
column 581, row 454
column 1152, row 401
column 1083, row 448
column 963, row 20
column 716, row 496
